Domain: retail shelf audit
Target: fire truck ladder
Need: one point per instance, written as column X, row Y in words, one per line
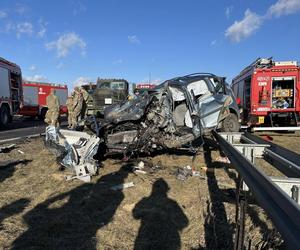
column 278, row 196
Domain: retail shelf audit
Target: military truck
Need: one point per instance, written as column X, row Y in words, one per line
column 105, row 93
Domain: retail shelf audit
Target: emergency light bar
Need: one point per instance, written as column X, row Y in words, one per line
column 286, row 63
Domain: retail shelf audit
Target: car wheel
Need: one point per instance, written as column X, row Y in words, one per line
column 230, row 124
column 4, row 117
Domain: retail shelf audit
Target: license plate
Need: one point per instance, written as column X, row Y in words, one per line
column 261, row 119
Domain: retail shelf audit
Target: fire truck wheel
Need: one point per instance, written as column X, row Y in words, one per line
column 230, row 124
column 4, row 117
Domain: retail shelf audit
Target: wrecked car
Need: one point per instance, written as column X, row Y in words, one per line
column 172, row 116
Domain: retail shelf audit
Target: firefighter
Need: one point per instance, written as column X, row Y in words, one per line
column 52, row 114
column 76, row 107
column 86, row 97
column 69, row 104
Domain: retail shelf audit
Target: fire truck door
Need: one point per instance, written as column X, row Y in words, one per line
column 43, row 93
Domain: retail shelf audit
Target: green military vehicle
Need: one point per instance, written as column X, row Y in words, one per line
column 104, row 93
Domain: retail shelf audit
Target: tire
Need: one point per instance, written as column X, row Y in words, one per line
column 230, row 124
column 4, row 117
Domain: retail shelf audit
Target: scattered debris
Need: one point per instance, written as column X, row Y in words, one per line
column 6, row 149
column 140, row 171
column 184, row 173
column 21, row 152
column 223, row 159
column 141, row 165
column 196, row 173
column 122, row 186
column 156, row 168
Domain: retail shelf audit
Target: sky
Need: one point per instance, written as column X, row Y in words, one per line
column 76, row 41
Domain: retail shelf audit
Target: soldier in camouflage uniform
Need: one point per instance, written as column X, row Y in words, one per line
column 76, row 107
column 86, row 97
column 69, row 104
column 52, row 114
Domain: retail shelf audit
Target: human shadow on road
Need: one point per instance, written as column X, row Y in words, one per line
column 13, row 208
column 218, row 232
column 71, row 220
column 7, row 168
column 161, row 220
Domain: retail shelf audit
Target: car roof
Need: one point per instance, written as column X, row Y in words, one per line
column 187, row 79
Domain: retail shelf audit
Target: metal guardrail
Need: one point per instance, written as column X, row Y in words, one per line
column 283, row 211
column 283, row 159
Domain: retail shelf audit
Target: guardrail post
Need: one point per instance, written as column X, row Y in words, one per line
column 240, row 214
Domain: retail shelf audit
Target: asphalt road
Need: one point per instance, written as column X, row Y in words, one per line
column 23, row 127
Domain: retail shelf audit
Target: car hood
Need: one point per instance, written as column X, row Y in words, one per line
column 131, row 110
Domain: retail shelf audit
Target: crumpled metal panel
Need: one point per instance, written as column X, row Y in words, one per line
column 51, row 133
column 78, row 150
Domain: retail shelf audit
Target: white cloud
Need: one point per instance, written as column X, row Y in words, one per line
column 244, row 28
column 283, row 7
column 32, row 68
column 36, row 78
column 228, row 11
column 134, row 39
column 25, row 28
column 42, row 25
column 81, row 81
column 3, row 14
column 240, row 30
column 65, row 43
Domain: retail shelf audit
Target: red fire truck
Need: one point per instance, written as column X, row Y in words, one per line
column 143, row 87
column 268, row 93
column 34, row 99
column 10, row 91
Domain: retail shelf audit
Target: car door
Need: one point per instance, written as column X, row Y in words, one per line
column 211, row 104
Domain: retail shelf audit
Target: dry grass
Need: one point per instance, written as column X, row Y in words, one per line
column 40, row 210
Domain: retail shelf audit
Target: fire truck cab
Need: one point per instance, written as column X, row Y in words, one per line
column 10, row 91
column 143, row 87
column 267, row 92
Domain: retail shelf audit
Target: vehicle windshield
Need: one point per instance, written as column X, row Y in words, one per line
column 113, row 85
column 118, row 85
